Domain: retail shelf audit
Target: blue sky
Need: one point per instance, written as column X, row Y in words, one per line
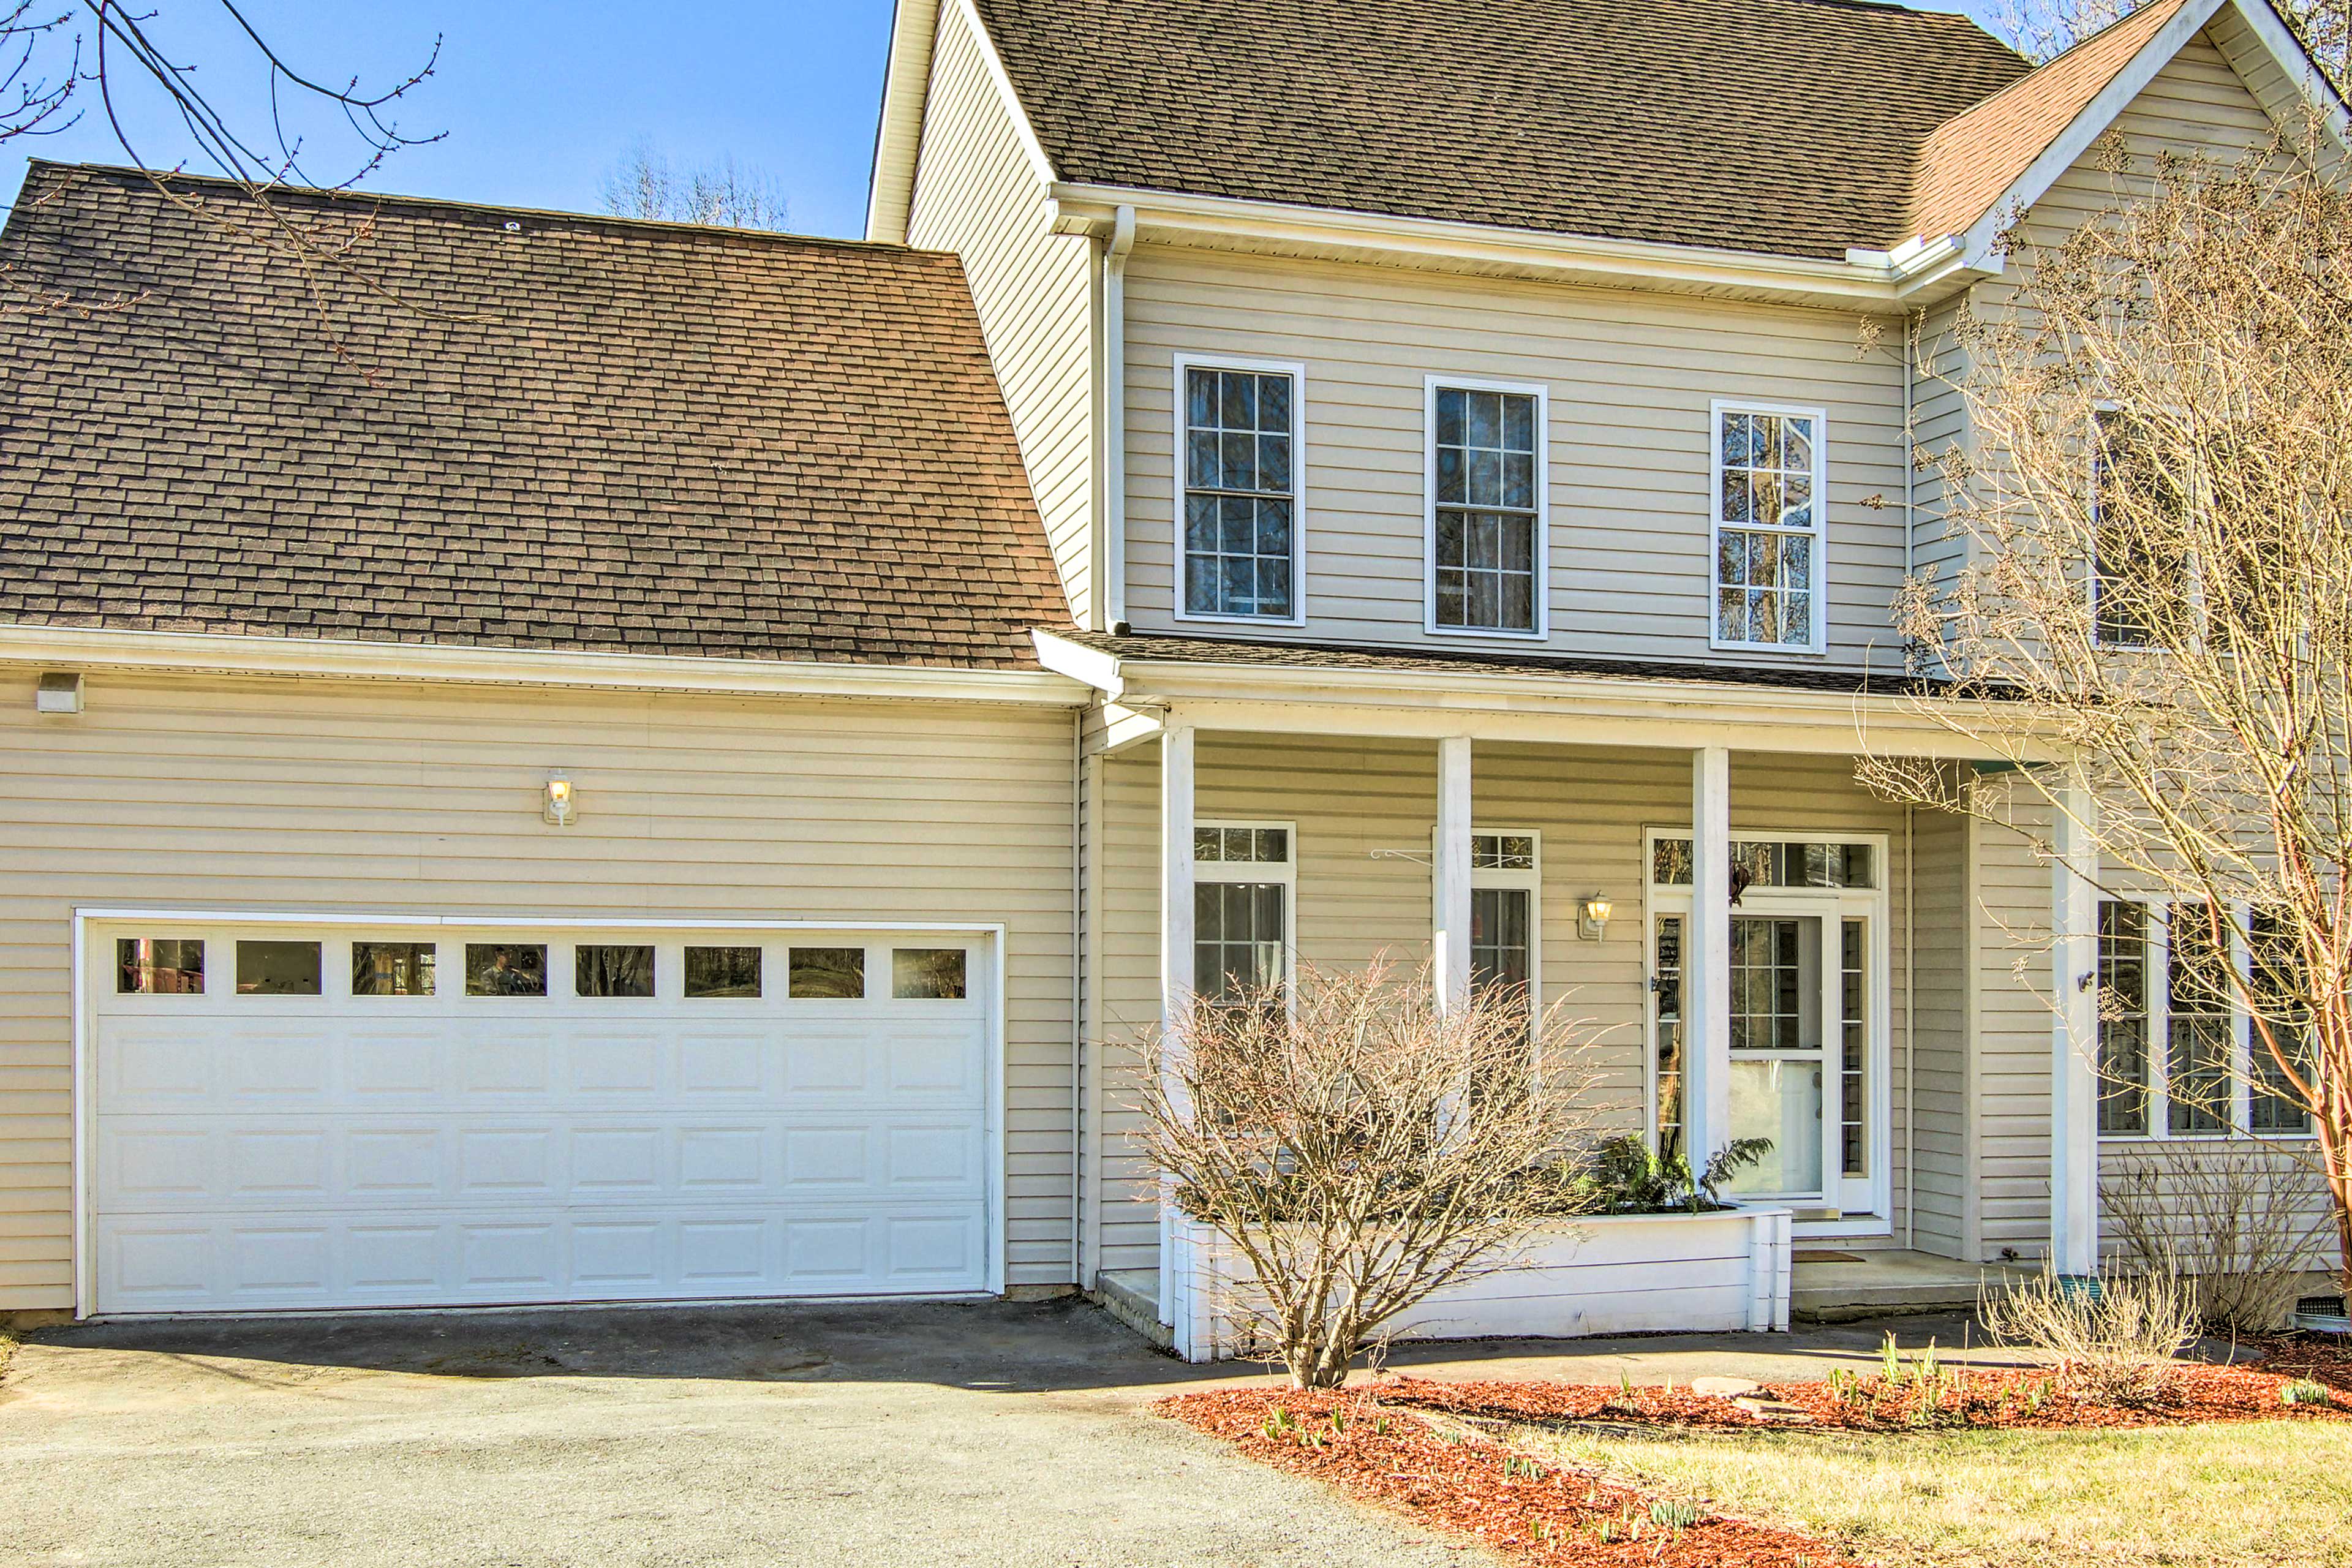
column 540, row 98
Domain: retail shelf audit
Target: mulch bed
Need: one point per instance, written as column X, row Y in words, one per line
column 2030, row 1399
column 1479, row 1489
column 1373, row 1441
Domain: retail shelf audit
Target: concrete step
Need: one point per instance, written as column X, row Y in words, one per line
column 1132, row 1296
column 1878, row 1284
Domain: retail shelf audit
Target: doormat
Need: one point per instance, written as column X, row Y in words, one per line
column 1828, row 1258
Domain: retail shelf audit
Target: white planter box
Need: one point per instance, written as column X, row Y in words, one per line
column 1607, row 1274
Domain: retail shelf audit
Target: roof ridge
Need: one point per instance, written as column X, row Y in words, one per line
column 339, row 196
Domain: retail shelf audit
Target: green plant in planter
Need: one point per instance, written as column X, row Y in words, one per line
column 1626, row 1175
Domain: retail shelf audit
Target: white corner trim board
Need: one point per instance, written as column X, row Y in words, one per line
column 355, row 659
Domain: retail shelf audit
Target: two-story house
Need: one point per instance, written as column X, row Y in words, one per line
column 687, row 779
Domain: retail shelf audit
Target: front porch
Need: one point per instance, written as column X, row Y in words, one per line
column 1761, row 947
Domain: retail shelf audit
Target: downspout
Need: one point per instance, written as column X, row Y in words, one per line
column 1910, row 860
column 1114, row 334
column 1910, row 1038
column 1078, row 869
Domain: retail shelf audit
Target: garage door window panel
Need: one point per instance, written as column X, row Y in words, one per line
column 277, row 968
column 392, row 968
column 159, row 966
column 826, row 974
column 609, row 970
column 713, row 972
column 927, row 974
column 506, row 969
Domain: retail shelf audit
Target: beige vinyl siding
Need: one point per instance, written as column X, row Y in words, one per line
column 296, row 796
column 1941, row 428
column 978, row 194
column 2014, row 1025
column 1365, row 812
column 1943, row 1112
column 1630, row 377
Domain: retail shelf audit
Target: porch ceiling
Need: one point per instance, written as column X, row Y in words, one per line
column 1318, row 688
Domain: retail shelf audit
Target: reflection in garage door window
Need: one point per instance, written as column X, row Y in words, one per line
column 828, row 972
column 158, row 965
column 722, row 972
column 602, row 971
column 506, row 969
column 278, row 969
column 920, row 972
column 391, row 969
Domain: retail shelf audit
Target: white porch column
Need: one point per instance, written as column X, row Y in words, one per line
column 2074, row 1039
column 1706, row 964
column 1176, row 977
column 1453, row 872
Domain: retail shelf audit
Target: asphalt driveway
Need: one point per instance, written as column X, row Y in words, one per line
column 998, row 1433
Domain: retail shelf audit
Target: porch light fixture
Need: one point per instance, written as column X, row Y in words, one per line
column 1593, row 918
column 59, row 692
column 559, row 804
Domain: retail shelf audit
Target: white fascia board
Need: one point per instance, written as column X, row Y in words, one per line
column 898, row 130
column 218, row 654
column 1538, row 706
column 1098, row 670
column 2269, row 30
column 1865, row 280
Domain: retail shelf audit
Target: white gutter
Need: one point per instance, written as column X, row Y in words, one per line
column 1865, row 279
column 216, row 653
column 1113, row 339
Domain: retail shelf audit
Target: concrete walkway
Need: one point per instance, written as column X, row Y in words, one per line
column 875, row 1436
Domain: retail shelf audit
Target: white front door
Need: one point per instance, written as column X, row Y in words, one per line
column 401, row 1116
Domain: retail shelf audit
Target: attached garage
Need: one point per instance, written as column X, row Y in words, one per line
column 413, row 1113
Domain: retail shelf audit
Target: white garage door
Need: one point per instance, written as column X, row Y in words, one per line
column 333, row 1117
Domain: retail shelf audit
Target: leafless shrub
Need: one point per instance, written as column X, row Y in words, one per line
column 2235, row 1217
column 2151, row 616
column 1360, row 1150
column 2115, row 1339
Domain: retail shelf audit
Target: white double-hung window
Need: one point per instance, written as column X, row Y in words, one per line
column 1487, row 483
column 1771, row 467
column 1238, row 441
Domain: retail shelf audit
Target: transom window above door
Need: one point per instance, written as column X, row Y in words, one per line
column 1239, row 442
column 1770, row 469
column 1486, row 507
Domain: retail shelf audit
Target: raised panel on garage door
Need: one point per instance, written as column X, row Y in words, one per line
column 457, row 1116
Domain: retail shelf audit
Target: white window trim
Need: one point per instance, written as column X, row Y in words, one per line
column 1530, row 882
column 1717, row 409
column 2158, row 927
column 1541, row 589
column 1285, row 872
column 1297, row 370
column 1874, row 905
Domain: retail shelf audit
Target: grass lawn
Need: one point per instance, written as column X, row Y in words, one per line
column 2272, row 1493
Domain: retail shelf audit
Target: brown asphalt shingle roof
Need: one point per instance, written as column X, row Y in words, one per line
column 1974, row 157
column 652, row 439
column 1780, row 126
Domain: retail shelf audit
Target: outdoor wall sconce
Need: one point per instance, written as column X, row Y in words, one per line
column 59, row 692
column 558, row 806
column 1593, row 919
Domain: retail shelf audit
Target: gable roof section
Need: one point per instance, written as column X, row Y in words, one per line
column 1776, row 126
column 1973, row 159
column 2003, row 155
column 608, row 435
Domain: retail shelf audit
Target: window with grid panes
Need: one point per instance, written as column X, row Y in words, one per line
column 1240, row 911
column 1240, row 493
column 1487, row 518
column 1769, row 526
